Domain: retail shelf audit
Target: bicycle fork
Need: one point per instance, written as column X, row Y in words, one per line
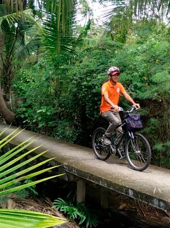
column 134, row 143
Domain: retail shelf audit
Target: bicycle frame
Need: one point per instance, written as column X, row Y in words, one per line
column 123, row 137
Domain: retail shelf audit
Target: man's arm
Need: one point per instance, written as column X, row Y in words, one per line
column 129, row 98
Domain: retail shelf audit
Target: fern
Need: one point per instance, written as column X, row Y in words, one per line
column 76, row 211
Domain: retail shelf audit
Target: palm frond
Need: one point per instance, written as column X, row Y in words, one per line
column 23, row 186
column 12, row 177
column 11, row 219
column 13, row 18
column 9, row 137
column 12, row 173
column 58, row 25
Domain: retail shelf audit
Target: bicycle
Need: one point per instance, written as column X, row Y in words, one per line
column 136, row 146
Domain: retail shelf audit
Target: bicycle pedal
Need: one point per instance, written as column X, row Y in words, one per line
column 98, row 147
column 122, row 157
column 112, row 149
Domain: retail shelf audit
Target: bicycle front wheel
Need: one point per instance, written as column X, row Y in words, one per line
column 101, row 151
column 138, row 152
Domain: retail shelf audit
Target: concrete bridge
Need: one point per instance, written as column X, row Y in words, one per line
column 151, row 186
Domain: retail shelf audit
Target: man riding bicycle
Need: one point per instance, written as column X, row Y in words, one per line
column 110, row 94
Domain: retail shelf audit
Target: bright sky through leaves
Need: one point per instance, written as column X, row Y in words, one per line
column 98, row 12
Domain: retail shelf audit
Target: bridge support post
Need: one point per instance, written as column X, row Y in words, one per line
column 81, row 191
column 104, row 197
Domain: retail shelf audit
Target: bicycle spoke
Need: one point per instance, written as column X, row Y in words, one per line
column 138, row 148
column 101, row 151
column 138, row 152
column 140, row 157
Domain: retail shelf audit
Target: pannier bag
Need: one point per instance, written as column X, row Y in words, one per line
column 133, row 122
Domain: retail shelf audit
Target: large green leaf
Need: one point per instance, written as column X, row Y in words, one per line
column 10, row 170
column 14, row 170
column 21, row 218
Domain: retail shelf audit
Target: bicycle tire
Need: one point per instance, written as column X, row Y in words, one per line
column 101, row 151
column 138, row 152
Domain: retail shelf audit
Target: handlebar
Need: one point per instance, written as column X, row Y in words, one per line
column 129, row 111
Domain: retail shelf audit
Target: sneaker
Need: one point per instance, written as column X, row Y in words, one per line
column 106, row 141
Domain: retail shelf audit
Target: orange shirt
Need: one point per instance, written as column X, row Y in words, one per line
column 113, row 92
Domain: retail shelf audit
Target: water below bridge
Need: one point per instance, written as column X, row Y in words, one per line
column 151, row 186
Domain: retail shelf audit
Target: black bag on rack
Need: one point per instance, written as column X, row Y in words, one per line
column 133, row 122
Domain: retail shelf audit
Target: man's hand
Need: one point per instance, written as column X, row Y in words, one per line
column 136, row 105
column 115, row 108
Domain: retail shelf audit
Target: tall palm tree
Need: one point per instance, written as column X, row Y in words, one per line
column 11, row 39
column 6, row 8
column 57, row 18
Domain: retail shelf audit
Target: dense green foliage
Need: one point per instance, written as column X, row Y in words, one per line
column 52, row 70
column 60, row 95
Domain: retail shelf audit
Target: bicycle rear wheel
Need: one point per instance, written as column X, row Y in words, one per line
column 138, row 152
column 101, row 151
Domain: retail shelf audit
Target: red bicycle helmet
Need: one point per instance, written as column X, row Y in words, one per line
column 113, row 70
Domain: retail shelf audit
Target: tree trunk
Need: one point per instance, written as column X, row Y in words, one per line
column 5, row 112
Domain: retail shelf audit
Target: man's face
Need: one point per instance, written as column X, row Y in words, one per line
column 114, row 78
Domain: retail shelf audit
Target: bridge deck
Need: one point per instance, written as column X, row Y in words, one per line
column 151, row 186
